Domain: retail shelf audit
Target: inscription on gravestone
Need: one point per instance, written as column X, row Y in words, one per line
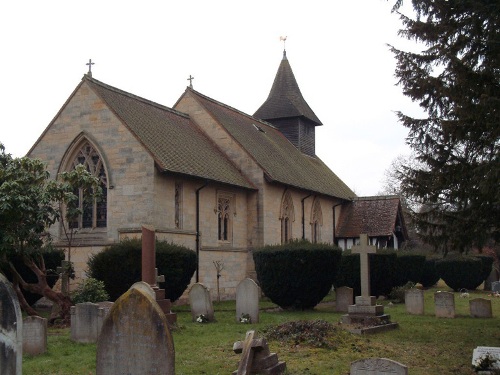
column 378, row 366
column 444, row 304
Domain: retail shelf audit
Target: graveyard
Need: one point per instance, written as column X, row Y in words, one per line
column 425, row 343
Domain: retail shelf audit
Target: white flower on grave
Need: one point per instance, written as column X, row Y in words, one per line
column 484, row 362
column 201, row 319
column 245, row 318
column 464, row 293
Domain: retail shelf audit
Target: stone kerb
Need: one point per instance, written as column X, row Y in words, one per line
column 344, row 298
column 377, row 366
column 11, row 330
column 201, row 302
column 444, row 304
column 414, row 301
column 480, row 308
column 34, row 335
column 85, row 325
column 135, row 338
column 247, row 300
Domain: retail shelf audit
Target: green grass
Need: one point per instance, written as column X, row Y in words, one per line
column 427, row 345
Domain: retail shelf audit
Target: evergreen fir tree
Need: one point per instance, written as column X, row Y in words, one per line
column 456, row 80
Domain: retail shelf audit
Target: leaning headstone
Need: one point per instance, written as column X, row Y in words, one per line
column 85, row 321
column 200, row 302
column 480, row 308
column 247, row 300
column 135, row 338
column 344, row 298
column 481, row 352
column 34, row 335
column 444, row 304
column 414, row 301
column 11, row 330
column 378, row 366
column 495, row 286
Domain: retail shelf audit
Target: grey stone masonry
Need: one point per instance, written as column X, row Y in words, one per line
column 34, row 335
column 378, row 366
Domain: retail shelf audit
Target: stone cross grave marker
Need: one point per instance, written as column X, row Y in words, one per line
column 247, row 300
column 482, row 351
column 63, row 270
column 256, row 357
column 344, row 298
column 377, row 366
column 495, row 286
column 444, row 304
column 480, row 308
column 200, row 302
column 34, row 335
column 11, row 330
column 135, row 338
column 363, row 249
column 414, row 301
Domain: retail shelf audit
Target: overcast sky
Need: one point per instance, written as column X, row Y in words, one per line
column 337, row 50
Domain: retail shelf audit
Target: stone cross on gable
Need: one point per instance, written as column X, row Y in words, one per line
column 90, row 63
column 363, row 249
column 190, row 79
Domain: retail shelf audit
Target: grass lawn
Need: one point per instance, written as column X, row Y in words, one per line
column 427, row 345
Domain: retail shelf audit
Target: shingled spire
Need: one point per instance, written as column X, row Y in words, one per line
column 287, row 109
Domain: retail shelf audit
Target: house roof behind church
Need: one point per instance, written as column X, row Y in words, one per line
column 375, row 216
column 175, row 143
column 285, row 99
column 281, row 161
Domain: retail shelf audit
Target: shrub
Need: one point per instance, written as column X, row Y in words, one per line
column 52, row 259
column 397, row 294
column 90, row 290
column 487, row 265
column 119, row 266
column 409, row 268
column 382, row 272
column 297, row 274
column 461, row 272
column 430, row 275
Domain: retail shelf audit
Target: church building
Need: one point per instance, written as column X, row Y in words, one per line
column 207, row 176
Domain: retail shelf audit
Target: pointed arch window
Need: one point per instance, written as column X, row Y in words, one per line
column 224, row 213
column 94, row 214
column 316, row 221
column 287, row 217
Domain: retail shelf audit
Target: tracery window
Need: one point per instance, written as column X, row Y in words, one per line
column 224, row 211
column 178, row 205
column 287, row 216
column 316, row 221
column 94, row 214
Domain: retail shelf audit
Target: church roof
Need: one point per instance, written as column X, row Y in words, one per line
column 280, row 160
column 285, row 99
column 375, row 216
column 175, row 143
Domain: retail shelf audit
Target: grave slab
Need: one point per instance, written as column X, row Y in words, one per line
column 247, row 300
column 480, row 308
column 201, row 302
column 414, row 301
column 483, row 351
column 34, row 335
column 444, row 304
column 344, row 298
column 378, row 366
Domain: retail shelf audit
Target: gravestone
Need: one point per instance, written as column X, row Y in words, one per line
column 135, row 338
column 495, row 286
column 256, row 357
column 480, row 308
column 414, row 301
column 34, row 335
column 444, row 304
column 344, row 298
column 492, row 277
column 200, row 302
column 11, row 330
column 483, row 351
column 247, row 300
column 365, row 314
column 85, row 322
column 378, row 366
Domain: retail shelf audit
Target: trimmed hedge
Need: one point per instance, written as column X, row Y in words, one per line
column 297, row 275
column 409, row 268
column 119, row 267
column 52, row 259
column 430, row 275
column 461, row 272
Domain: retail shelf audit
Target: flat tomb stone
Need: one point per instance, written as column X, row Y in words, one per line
column 480, row 308
column 377, row 366
column 482, row 351
column 34, row 335
column 135, row 338
column 344, row 298
column 444, row 304
column 414, row 301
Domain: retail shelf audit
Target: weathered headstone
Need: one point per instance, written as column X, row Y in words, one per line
column 11, row 330
column 480, row 308
column 482, row 351
column 492, row 277
column 256, row 357
column 85, row 322
column 34, row 335
column 200, row 302
column 444, row 304
column 344, row 298
column 247, row 300
column 377, row 366
column 495, row 286
column 414, row 301
column 135, row 338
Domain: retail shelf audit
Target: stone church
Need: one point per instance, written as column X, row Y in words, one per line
column 207, row 176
